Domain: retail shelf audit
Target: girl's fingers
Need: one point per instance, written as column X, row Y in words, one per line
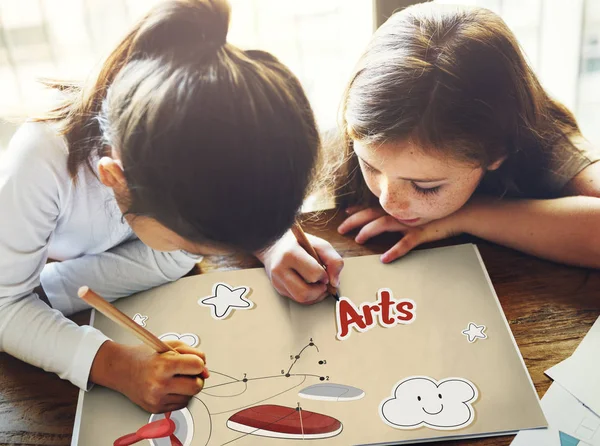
column 301, row 291
column 307, row 267
column 175, row 343
column 330, row 257
column 280, row 287
column 376, row 227
column 303, row 296
column 360, row 219
column 353, row 209
column 185, row 385
column 184, row 348
column 189, row 361
column 189, row 364
column 408, row 242
column 414, row 237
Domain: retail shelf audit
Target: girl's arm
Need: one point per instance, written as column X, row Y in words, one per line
column 30, row 190
column 123, row 270
column 565, row 229
column 33, row 179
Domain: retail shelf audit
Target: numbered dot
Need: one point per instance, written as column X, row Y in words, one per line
column 321, row 362
column 322, row 378
column 297, row 356
column 245, row 380
column 287, row 375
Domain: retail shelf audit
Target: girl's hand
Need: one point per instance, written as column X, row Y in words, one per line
column 157, row 382
column 375, row 221
column 295, row 274
column 359, row 217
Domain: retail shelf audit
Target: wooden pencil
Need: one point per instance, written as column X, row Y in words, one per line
column 305, row 243
column 115, row 315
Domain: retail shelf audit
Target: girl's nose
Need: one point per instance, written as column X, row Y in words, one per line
column 392, row 199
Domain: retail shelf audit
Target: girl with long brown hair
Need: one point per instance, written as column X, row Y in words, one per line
column 447, row 130
column 182, row 145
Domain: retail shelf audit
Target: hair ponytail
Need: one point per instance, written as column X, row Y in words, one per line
column 170, row 28
column 217, row 144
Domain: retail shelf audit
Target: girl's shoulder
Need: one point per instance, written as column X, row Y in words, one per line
column 34, row 148
column 566, row 159
column 541, row 174
column 583, row 149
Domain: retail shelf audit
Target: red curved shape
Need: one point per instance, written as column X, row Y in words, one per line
column 274, row 418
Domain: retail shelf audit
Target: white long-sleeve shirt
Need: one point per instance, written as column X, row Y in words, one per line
column 43, row 214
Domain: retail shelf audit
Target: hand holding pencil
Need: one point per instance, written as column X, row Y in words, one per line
column 302, row 267
column 307, row 246
column 160, row 379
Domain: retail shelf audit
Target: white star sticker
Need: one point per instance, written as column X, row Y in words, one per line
column 225, row 298
column 139, row 319
column 474, row 332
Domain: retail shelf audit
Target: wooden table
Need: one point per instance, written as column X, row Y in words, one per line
column 549, row 307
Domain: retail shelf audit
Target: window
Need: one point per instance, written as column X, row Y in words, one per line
column 588, row 106
column 562, row 43
column 320, row 40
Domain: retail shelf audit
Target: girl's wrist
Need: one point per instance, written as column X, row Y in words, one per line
column 108, row 364
column 471, row 214
column 264, row 253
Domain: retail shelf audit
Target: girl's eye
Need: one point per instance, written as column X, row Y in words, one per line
column 368, row 168
column 426, row 191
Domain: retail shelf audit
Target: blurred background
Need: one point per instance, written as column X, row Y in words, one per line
column 320, row 40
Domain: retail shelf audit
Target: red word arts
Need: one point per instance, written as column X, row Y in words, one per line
column 385, row 311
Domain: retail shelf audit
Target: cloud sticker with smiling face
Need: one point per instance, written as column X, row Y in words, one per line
column 422, row 401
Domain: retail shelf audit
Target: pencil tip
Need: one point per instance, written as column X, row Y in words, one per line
column 337, row 296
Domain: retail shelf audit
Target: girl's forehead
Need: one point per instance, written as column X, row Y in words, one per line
column 404, row 158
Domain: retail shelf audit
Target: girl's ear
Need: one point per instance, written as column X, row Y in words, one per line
column 111, row 175
column 496, row 164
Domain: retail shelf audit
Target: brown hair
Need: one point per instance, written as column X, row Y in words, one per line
column 453, row 81
column 217, row 144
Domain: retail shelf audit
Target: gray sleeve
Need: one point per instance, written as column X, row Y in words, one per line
column 126, row 269
column 568, row 160
column 30, row 184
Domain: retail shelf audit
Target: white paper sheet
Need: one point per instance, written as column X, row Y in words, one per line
column 565, row 414
column 580, row 373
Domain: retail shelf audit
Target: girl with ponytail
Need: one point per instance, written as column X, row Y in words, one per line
column 182, row 145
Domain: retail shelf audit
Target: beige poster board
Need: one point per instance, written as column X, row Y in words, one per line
column 280, row 373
